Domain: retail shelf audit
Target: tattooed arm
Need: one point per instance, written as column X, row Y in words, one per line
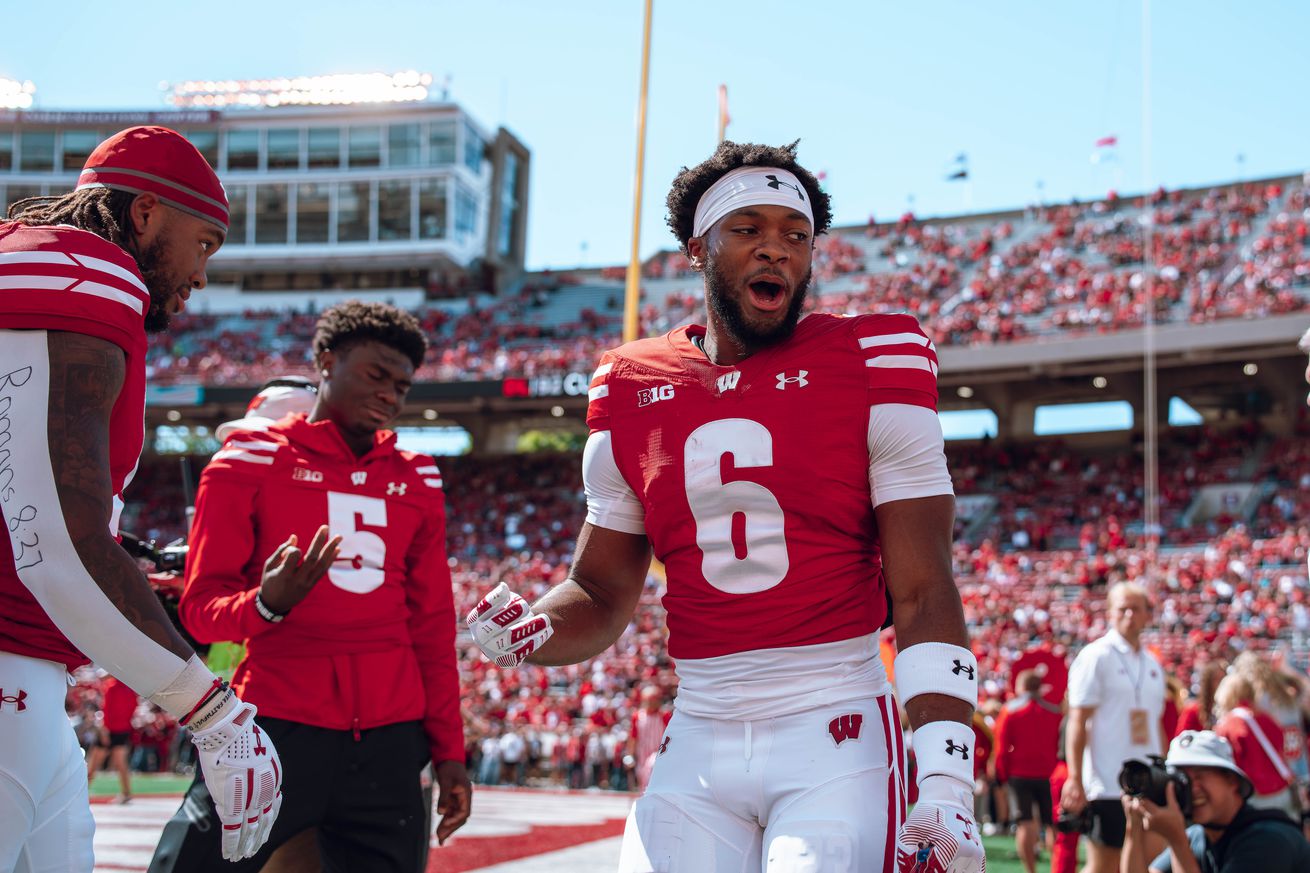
column 86, row 375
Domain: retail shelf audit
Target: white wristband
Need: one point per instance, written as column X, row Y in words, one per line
column 944, row 748
column 936, row 668
column 187, row 689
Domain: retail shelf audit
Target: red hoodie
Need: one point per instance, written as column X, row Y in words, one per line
column 374, row 641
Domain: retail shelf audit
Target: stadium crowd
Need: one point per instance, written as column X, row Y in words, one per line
column 1232, row 252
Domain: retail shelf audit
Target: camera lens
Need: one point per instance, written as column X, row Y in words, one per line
column 1135, row 778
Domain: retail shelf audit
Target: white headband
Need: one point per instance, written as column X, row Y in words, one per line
column 750, row 186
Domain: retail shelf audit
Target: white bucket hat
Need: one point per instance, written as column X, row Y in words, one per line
column 280, row 398
column 1206, row 749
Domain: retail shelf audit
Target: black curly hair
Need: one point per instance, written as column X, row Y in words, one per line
column 355, row 321
column 692, row 183
column 102, row 211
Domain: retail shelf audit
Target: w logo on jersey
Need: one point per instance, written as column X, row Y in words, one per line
column 799, row 380
column 358, row 477
column 728, row 381
column 845, row 727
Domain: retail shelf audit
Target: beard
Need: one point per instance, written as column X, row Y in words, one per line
column 719, row 298
column 162, row 286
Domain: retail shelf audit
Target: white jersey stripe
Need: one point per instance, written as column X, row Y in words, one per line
column 108, row 292
column 892, row 339
column 112, row 269
column 35, row 258
column 35, row 283
column 432, row 483
column 598, row 392
column 258, row 445
column 430, row 470
column 238, row 455
column 902, row 362
column 602, row 371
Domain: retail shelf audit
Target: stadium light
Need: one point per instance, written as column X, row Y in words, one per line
column 430, row 414
column 15, row 94
column 1100, row 382
column 408, row 86
column 1250, row 369
column 557, row 411
column 173, row 415
column 964, row 391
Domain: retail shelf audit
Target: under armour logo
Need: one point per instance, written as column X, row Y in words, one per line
column 664, row 746
column 951, row 749
column 777, row 185
column 968, row 825
column 962, row 668
column 846, row 727
column 798, row 380
column 397, row 488
column 15, row 699
column 358, row 477
column 260, row 748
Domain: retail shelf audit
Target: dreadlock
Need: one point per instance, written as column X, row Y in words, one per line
column 355, row 321
column 101, row 211
column 692, row 183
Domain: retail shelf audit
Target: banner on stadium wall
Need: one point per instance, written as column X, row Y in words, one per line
column 174, row 395
column 1051, row 666
column 559, row 385
column 124, row 118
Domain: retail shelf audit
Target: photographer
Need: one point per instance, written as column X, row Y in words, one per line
column 1228, row 835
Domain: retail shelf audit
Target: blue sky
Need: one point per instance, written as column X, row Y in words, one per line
column 883, row 96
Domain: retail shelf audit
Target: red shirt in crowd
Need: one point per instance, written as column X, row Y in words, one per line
column 1249, row 753
column 1027, row 739
column 120, row 704
column 373, row 643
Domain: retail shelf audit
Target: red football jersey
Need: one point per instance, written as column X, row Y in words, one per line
column 755, row 477
column 65, row 279
column 374, row 641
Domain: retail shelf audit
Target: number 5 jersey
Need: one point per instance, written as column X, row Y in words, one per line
column 374, row 641
column 756, row 485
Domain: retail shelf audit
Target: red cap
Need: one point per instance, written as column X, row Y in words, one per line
column 160, row 161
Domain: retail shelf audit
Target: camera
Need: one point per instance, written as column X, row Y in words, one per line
column 1151, row 778
column 1074, row 822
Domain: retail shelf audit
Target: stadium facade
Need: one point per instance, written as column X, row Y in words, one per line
column 406, row 199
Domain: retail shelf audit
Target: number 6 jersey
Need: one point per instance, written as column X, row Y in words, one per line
column 756, row 485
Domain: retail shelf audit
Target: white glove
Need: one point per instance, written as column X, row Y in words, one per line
column 940, row 835
column 505, row 627
column 242, row 772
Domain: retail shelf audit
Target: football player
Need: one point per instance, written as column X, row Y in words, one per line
column 354, row 669
column 85, row 276
column 790, row 474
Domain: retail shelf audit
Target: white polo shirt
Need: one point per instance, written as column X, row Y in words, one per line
column 1113, row 679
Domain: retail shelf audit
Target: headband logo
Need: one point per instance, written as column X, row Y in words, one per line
column 777, row 185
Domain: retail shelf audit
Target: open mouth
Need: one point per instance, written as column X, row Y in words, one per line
column 767, row 293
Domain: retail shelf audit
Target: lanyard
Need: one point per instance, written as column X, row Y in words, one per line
column 1141, row 671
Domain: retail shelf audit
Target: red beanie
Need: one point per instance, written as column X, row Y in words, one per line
column 160, row 161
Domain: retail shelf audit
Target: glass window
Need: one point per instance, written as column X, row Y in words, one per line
column 402, row 145
column 466, row 211
column 6, row 151
column 393, row 209
column 365, row 147
column 78, row 146
column 441, row 142
column 243, row 150
column 237, row 215
column 472, row 149
column 352, row 212
column 312, row 213
column 206, row 142
column 284, row 149
column 324, row 147
column 509, row 205
column 270, row 214
column 1060, row 418
column 432, row 209
column 37, row 151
